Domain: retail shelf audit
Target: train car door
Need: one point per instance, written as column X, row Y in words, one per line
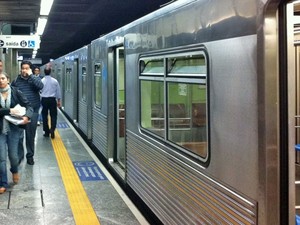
column 289, row 84
column 62, row 83
column 119, row 153
column 116, row 112
column 76, row 90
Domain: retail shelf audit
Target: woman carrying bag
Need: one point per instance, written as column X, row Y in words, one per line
column 10, row 101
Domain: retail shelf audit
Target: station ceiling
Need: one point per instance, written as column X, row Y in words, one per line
column 71, row 23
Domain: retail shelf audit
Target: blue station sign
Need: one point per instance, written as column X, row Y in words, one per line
column 89, row 171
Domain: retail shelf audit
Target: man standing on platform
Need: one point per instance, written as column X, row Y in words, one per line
column 36, row 72
column 51, row 96
column 30, row 86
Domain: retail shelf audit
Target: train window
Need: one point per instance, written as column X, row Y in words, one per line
column 187, row 66
column 152, row 106
column 68, row 80
column 98, row 84
column 83, row 70
column 174, row 105
column 187, row 116
column 152, row 67
column 97, row 68
column 83, row 94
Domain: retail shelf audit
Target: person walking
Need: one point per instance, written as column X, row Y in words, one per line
column 51, row 96
column 10, row 97
column 31, row 86
column 1, row 66
column 36, row 72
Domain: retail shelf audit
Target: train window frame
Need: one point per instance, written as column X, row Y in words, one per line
column 68, row 83
column 83, row 70
column 195, row 80
column 97, row 75
column 83, row 83
column 144, row 65
column 175, row 61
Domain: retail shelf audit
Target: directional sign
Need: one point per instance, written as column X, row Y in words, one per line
column 19, row 41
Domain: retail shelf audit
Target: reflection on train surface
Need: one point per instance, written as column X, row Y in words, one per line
column 187, row 107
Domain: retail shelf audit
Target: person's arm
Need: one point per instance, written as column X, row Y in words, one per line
column 58, row 95
column 35, row 82
column 23, row 101
column 58, row 103
column 4, row 111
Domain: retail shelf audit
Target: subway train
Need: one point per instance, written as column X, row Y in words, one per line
column 193, row 107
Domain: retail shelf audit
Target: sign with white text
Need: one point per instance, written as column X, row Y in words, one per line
column 89, row 171
column 20, row 41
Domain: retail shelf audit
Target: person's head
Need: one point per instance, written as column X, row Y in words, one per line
column 36, row 71
column 4, row 80
column 47, row 71
column 1, row 66
column 26, row 68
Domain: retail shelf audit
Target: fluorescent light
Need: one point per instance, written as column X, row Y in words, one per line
column 38, row 42
column 45, row 7
column 41, row 25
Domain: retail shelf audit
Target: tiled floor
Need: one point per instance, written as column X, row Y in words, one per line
column 40, row 197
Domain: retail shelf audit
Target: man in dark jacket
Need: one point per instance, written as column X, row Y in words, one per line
column 30, row 87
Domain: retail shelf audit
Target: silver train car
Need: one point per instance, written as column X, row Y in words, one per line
column 193, row 106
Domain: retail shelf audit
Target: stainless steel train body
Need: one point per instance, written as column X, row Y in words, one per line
column 185, row 107
column 73, row 71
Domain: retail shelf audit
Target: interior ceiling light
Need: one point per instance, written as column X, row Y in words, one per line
column 41, row 25
column 45, row 7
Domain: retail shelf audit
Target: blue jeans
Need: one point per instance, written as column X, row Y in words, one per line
column 9, row 143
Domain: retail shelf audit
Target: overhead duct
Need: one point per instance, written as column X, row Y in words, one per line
column 17, row 29
column 20, row 30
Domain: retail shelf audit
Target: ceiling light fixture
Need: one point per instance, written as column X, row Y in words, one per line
column 45, row 7
column 42, row 21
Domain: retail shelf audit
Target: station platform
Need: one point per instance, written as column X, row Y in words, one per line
column 66, row 185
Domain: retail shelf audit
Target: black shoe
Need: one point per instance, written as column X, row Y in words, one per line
column 30, row 161
column 46, row 134
column 52, row 134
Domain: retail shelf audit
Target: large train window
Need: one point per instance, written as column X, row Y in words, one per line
column 174, row 105
column 152, row 106
column 83, row 76
column 98, row 84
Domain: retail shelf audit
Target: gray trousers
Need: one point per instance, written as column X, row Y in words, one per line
column 30, row 131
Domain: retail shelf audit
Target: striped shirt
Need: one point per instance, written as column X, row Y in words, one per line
column 30, row 87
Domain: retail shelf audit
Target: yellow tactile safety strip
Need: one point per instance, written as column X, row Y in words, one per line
column 82, row 209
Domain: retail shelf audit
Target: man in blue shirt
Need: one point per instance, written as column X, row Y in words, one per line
column 36, row 72
column 51, row 96
column 30, row 86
